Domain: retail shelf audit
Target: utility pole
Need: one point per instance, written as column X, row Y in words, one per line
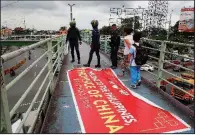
column 168, row 32
column 24, row 24
column 71, row 14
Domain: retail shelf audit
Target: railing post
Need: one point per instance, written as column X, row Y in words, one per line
column 59, row 59
column 105, row 44
column 160, row 66
column 89, row 37
column 63, row 45
column 50, row 65
column 5, row 115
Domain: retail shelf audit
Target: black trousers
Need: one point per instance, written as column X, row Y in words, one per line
column 114, row 57
column 91, row 55
column 76, row 47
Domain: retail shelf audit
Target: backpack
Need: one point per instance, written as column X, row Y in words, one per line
column 141, row 55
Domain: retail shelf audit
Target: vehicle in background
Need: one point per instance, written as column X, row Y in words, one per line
column 154, row 64
column 187, row 76
column 147, row 67
column 178, row 69
column 188, row 86
column 188, row 63
column 167, row 65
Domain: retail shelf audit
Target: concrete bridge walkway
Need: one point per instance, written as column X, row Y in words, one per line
column 61, row 115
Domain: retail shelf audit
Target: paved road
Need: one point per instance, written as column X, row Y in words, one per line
column 19, row 88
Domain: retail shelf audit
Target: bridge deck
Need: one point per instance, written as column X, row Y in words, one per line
column 61, row 115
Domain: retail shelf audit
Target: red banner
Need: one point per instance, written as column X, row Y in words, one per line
column 105, row 105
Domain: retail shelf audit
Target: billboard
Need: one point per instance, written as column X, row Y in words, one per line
column 186, row 23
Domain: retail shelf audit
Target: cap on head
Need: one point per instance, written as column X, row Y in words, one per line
column 72, row 23
column 94, row 23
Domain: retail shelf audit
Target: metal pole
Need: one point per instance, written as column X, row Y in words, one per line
column 71, row 14
column 50, row 65
column 168, row 32
column 160, row 67
column 5, row 115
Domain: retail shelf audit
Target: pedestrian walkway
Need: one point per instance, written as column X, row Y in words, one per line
column 61, row 115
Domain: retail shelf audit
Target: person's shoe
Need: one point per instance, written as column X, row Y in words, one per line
column 79, row 62
column 120, row 74
column 133, row 86
column 86, row 65
column 72, row 61
column 97, row 66
column 114, row 67
column 138, row 83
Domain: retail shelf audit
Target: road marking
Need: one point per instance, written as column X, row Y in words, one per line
column 35, row 74
column 36, row 65
column 25, row 104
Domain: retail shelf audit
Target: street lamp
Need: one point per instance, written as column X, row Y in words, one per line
column 71, row 17
column 168, row 32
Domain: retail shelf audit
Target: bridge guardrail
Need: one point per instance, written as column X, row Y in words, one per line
column 159, row 48
column 52, row 68
column 162, row 61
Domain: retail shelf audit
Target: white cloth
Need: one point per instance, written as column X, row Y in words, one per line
column 130, row 38
column 133, row 52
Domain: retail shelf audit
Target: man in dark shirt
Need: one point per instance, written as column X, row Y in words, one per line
column 95, row 45
column 74, row 37
column 115, row 43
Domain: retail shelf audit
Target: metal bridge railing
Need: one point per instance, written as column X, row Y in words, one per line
column 52, row 68
column 160, row 51
column 162, row 61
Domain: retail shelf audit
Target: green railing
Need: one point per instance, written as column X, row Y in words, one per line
column 52, row 67
column 158, row 54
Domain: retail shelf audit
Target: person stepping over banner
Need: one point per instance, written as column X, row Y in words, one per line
column 95, row 45
column 138, row 57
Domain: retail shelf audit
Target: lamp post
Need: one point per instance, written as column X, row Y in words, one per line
column 168, row 32
column 71, row 14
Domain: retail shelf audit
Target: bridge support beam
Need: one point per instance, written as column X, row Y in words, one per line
column 5, row 125
column 161, row 62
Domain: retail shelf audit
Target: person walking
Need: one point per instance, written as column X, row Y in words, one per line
column 138, row 57
column 128, row 41
column 74, row 37
column 115, row 43
column 95, row 45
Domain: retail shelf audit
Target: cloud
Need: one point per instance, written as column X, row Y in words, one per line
column 30, row 5
column 54, row 14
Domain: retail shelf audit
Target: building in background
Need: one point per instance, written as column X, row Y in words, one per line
column 6, row 32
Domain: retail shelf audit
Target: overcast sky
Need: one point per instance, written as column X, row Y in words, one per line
column 51, row 15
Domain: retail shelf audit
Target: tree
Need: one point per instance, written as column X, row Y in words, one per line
column 105, row 30
column 62, row 28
